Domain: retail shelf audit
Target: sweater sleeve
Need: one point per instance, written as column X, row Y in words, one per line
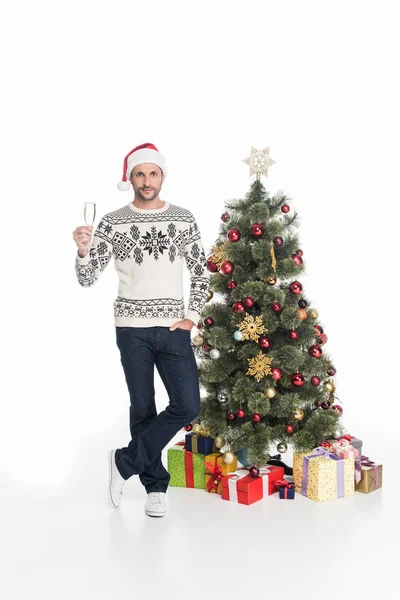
column 199, row 276
column 89, row 268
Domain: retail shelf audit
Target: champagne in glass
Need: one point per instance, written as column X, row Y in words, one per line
column 90, row 212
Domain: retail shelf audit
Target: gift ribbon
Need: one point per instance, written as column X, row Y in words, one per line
column 320, row 451
column 240, row 474
column 215, row 475
column 364, row 461
column 189, row 468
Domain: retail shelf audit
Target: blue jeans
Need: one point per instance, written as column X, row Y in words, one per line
column 171, row 352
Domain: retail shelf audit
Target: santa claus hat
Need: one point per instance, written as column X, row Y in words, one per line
column 145, row 153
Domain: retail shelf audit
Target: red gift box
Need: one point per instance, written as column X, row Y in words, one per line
column 242, row 488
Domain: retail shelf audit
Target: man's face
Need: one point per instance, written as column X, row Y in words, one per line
column 147, row 181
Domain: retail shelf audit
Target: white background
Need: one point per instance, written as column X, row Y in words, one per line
column 82, row 84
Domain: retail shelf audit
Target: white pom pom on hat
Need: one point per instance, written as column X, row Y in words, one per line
column 145, row 153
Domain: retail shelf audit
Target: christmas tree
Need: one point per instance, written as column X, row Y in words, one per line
column 266, row 377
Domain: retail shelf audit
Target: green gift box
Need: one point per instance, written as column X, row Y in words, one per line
column 186, row 468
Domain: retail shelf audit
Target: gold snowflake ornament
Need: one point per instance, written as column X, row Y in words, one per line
column 259, row 161
column 218, row 254
column 252, row 328
column 259, row 366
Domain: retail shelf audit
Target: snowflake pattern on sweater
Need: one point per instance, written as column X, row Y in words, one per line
column 149, row 249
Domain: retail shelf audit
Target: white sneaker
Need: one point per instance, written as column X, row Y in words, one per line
column 115, row 481
column 156, row 504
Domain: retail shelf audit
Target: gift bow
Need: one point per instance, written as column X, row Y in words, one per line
column 216, row 473
column 364, row 461
column 283, row 482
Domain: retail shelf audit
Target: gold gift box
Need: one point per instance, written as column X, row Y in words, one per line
column 370, row 480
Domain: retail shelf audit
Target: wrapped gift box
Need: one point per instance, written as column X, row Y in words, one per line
column 322, row 476
column 215, row 467
column 186, row 468
column 286, row 490
column 330, row 443
column 345, row 451
column 242, row 488
column 368, row 475
column 199, row 444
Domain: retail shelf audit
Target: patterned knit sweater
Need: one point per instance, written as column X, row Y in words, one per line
column 149, row 247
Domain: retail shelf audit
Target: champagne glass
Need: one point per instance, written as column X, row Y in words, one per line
column 90, row 212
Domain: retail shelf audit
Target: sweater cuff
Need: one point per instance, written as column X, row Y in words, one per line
column 83, row 261
column 193, row 316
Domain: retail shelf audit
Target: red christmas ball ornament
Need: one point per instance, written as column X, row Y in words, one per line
column 302, row 303
column 315, row 380
column 188, row 427
column 276, row 307
column 322, row 339
column 238, row 307
column 285, row 208
column 289, row 428
column 257, row 229
column 208, row 321
column 211, row 266
column 332, row 371
column 298, row 379
column 315, row 351
column 240, row 413
column 232, row 284
column 295, row 287
column 256, row 418
column 227, row 267
column 248, row 301
column 278, row 241
column 293, row 335
column 254, row 472
column 225, row 217
column 337, row 408
column 233, row 235
column 276, row 373
column 299, row 252
column 264, row 342
column 319, row 330
column 297, row 260
column 325, row 405
column 230, row 416
column 318, row 403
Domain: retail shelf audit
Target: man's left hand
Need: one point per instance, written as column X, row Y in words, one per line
column 184, row 324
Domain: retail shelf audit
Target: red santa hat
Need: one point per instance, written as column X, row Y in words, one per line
column 145, row 153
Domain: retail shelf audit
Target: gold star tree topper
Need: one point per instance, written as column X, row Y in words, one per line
column 259, row 161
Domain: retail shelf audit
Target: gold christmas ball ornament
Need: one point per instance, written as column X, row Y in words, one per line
column 270, row 392
column 210, row 294
column 228, row 458
column 204, row 432
column 219, row 441
column 196, row 428
column 298, row 414
column 272, row 280
column 301, row 314
column 198, row 340
column 314, row 314
column 329, row 387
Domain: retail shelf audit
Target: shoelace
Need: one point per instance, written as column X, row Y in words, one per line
column 155, row 497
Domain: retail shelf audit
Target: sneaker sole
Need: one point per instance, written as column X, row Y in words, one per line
column 154, row 514
column 110, row 457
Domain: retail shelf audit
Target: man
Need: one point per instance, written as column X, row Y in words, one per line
column 149, row 239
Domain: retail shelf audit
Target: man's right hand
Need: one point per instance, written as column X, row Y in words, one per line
column 82, row 236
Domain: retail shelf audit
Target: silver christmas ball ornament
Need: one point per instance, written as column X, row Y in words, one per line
column 238, row 335
column 337, row 434
column 215, row 354
column 228, row 458
column 281, row 447
column 222, row 399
